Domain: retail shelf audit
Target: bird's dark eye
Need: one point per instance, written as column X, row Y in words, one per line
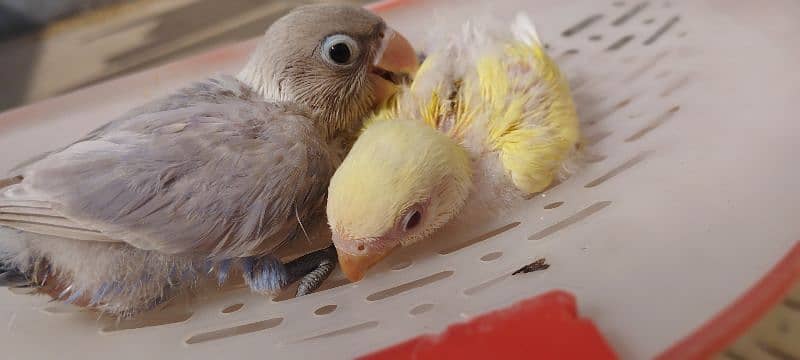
column 339, row 49
column 412, row 220
column 340, row 53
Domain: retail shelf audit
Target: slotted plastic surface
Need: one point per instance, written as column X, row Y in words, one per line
column 690, row 109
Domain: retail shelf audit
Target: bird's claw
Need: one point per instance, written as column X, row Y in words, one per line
column 12, row 277
column 312, row 269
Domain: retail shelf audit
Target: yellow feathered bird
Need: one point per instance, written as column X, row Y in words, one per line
column 488, row 118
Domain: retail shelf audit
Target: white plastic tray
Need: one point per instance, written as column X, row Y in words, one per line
column 691, row 104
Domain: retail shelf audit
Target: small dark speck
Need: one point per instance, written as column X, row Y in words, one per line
column 534, row 266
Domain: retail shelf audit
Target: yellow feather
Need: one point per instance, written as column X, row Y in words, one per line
column 366, row 196
column 470, row 102
column 533, row 123
column 531, row 119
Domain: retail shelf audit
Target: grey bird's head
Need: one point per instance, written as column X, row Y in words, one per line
column 340, row 61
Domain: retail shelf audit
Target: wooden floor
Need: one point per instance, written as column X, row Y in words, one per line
column 775, row 336
column 119, row 39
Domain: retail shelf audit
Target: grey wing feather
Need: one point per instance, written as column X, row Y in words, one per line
column 21, row 212
column 212, row 169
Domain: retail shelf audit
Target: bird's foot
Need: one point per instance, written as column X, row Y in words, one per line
column 13, row 278
column 267, row 274
column 312, row 269
column 10, row 276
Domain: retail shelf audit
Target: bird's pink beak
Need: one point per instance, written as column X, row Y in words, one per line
column 354, row 262
column 395, row 64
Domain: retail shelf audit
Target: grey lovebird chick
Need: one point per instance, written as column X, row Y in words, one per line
column 209, row 181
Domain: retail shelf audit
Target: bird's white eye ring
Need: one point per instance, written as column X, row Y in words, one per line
column 412, row 220
column 340, row 49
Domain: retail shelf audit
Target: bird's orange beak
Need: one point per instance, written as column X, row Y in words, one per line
column 395, row 64
column 356, row 262
column 356, row 266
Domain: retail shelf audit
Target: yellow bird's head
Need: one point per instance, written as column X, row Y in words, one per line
column 401, row 181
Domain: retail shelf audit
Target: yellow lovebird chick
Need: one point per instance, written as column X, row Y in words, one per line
column 488, row 118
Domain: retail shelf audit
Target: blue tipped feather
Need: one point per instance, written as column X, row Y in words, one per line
column 265, row 274
column 222, row 271
column 99, row 294
column 74, row 296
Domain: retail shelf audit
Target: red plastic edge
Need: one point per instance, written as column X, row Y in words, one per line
column 728, row 325
column 546, row 327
